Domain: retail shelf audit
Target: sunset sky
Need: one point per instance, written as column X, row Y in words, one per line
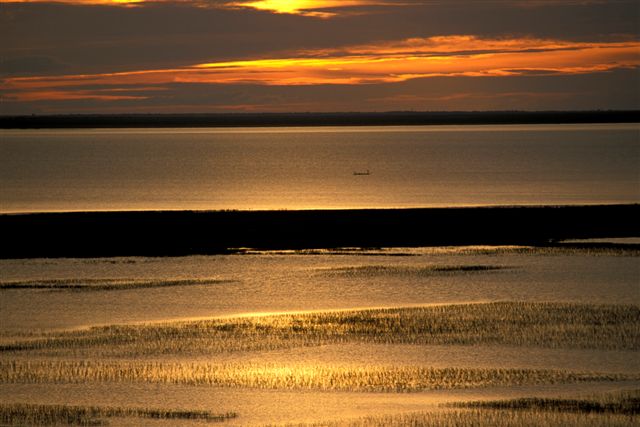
column 139, row 56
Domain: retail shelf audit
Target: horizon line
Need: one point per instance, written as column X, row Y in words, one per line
column 315, row 119
column 278, row 113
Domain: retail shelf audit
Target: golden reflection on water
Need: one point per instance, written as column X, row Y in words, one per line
column 294, row 168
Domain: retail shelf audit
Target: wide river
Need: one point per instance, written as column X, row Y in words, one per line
column 305, row 168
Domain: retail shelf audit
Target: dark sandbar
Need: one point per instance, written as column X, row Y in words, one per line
column 394, row 118
column 176, row 233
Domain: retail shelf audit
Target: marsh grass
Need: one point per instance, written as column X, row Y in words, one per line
column 337, row 251
column 289, row 376
column 559, row 248
column 391, row 270
column 610, row 409
column 32, row 414
column 104, row 284
column 627, row 403
column 548, row 325
column 484, row 417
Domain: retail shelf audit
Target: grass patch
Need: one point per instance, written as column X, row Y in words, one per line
column 31, row 414
column 548, row 325
column 625, row 403
column 386, row 270
column 477, row 418
column 104, row 284
column 278, row 376
column 555, row 249
column 612, row 409
column 334, row 251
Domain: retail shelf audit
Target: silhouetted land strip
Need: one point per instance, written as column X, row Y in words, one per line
column 169, row 233
column 405, row 118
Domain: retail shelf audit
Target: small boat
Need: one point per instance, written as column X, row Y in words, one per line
column 367, row 172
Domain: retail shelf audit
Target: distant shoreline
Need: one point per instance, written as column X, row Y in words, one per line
column 402, row 118
column 180, row 233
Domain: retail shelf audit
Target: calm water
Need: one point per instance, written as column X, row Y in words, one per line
column 301, row 168
column 268, row 282
column 277, row 283
column 314, row 168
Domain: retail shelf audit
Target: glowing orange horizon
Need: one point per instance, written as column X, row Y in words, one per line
column 385, row 62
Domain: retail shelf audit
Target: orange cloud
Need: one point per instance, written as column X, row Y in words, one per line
column 315, row 8
column 309, row 7
column 385, row 62
column 312, row 8
column 461, row 44
column 61, row 95
column 84, row 2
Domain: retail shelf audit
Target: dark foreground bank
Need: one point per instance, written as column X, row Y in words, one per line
column 399, row 118
column 170, row 233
